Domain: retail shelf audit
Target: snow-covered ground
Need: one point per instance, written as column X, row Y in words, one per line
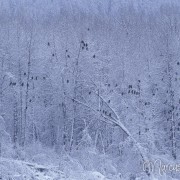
column 21, row 170
column 17, row 169
column 39, row 163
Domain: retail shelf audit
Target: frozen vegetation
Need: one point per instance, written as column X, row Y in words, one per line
column 89, row 89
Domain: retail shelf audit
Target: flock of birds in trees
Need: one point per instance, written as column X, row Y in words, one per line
column 84, row 46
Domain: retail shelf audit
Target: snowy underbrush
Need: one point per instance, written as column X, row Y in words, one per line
column 40, row 163
column 42, row 155
column 92, row 160
column 37, row 162
column 12, row 169
column 20, row 170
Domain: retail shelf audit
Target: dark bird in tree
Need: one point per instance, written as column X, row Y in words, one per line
column 94, row 56
column 67, row 81
column 22, row 84
column 53, row 54
column 88, row 29
column 68, row 56
column 44, row 78
column 89, row 92
column 66, row 50
column 109, row 114
column 48, row 44
column 109, row 101
column 178, row 63
column 24, row 74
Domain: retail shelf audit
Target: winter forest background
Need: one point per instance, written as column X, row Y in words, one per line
column 89, row 89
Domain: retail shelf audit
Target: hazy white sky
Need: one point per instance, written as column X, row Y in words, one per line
column 87, row 5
